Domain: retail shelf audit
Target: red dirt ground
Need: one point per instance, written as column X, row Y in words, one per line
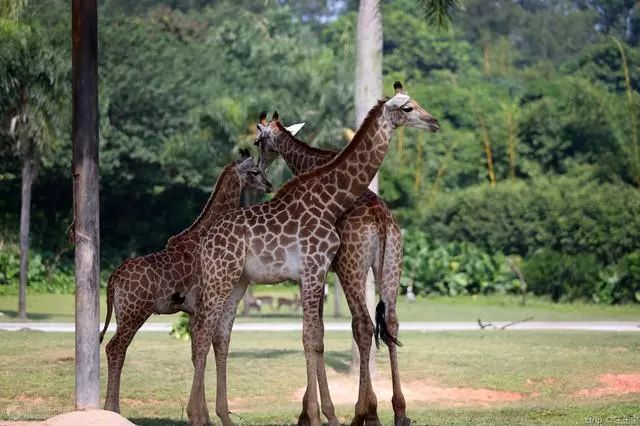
column 614, row 384
column 344, row 390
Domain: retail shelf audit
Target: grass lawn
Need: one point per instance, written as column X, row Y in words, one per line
column 60, row 308
column 529, row 377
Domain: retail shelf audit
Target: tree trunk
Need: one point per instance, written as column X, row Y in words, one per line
column 336, row 298
column 367, row 92
column 28, row 176
column 86, row 200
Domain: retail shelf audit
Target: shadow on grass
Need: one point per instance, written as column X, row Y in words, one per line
column 274, row 315
column 339, row 361
column 33, row 317
column 263, row 353
column 150, row 421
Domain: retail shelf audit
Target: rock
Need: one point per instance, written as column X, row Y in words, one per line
column 88, row 418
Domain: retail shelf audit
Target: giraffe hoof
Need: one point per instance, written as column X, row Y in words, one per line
column 374, row 421
column 402, row 421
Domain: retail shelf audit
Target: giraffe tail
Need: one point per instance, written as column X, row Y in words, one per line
column 382, row 328
column 107, row 320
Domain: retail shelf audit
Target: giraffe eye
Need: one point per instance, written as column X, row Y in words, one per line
column 255, row 172
column 407, row 109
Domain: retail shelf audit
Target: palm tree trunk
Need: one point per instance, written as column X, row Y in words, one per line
column 28, row 176
column 368, row 90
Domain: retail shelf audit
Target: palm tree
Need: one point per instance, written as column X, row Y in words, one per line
column 368, row 89
column 31, row 75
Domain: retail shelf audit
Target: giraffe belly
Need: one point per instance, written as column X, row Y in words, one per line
column 273, row 267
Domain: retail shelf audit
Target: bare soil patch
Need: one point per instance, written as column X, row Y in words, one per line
column 344, row 390
column 614, row 384
column 78, row 418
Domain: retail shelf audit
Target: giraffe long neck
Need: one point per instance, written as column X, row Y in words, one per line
column 224, row 197
column 299, row 156
column 334, row 187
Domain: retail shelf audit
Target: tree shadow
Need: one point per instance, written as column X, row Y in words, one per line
column 339, row 361
column 274, row 315
column 263, row 353
column 151, row 421
column 30, row 317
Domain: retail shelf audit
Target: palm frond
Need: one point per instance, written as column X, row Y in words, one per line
column 439, row 11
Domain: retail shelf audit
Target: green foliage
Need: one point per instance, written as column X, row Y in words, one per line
column 42, row 278
column 538, row 86
column 181, row 328
column 454, row 268
column 569, row 215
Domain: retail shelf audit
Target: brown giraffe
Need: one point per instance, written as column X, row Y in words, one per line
column 369, row 238
column 291, row 237
column 163, row 282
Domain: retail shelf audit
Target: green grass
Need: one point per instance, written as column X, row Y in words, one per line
column 55, row 307
column 265, row 370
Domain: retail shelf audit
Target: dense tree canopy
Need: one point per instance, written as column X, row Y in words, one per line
column 538, row 100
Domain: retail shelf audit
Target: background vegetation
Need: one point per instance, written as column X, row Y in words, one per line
column 538, row 165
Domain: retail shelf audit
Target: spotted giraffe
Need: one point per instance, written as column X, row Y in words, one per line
column 163, row 282
column 292, row 237
column 370, row 238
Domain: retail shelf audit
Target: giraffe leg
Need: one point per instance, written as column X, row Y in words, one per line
column 312, row 338
column 219, row 280
column 325, row 398
column 221, row 341
column 362, row 327
column 392, row 267
column 203, row 401
column 116, row 349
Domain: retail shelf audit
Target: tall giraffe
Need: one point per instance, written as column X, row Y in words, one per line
column 291, row 237
column 164, row 282
column 369, row 238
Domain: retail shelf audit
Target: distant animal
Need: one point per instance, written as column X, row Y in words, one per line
column 252, row 303
column 265, row 300
column 294, row 303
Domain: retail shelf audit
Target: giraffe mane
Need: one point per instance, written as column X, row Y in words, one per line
column 303, row 144
column 226, row 171
column 359, row 135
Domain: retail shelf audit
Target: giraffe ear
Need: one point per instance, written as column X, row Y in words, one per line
column 246, row 164
column 244, row 153
column 263, row 117
column 397, row 101
column 295, row 128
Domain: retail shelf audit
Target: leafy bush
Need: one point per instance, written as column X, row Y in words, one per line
column 621, row 282
column 564, row 277
column 453, row 268
column 41, row 279
column 567, row 214
column 180, row 329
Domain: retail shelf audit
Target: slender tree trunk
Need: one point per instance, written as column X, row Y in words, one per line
column 368, row 90
column 336, row 298
column 86, row 200
column 28, row 176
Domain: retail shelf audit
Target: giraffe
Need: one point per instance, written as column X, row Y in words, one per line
column 291, row 237
column 163, row 282
column 369, row 238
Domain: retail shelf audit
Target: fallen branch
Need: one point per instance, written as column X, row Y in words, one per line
column 515, row 322
column 484, row 325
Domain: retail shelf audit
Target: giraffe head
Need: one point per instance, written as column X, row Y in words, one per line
column 251, row 175
column 401, row 110
column 267, row 138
